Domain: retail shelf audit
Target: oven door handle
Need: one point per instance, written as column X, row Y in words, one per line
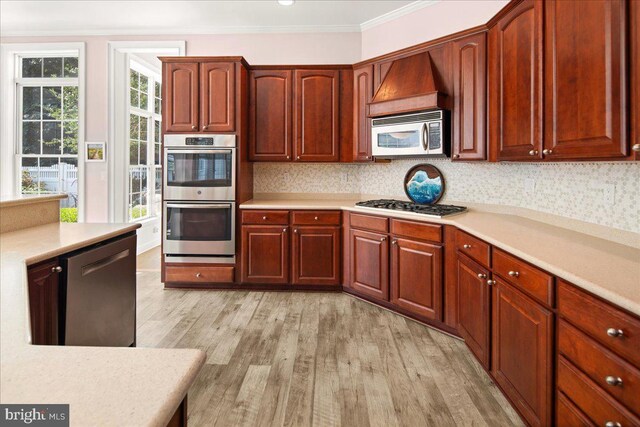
column 170, row 150
column 199, row 206
column 424, row 138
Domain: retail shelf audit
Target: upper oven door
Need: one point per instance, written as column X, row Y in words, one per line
column 399, row 140
column 199, row 174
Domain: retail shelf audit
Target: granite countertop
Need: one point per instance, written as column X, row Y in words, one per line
column 102, row 385
column 608, row 269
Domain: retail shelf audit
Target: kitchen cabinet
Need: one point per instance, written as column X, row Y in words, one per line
column 198, row 96
column 362, row 95
column 44, row 290
column 634, row 11
column 180, row 98
column 470, row 97
column 370, row 264
column 522, row 352
column 270, row 99
column 474, row 304
column 585, row 79
column 416, row 277
column 217, row 97
column 316, row 123
column 265, row 254
column 315, row 255
column 515, row 84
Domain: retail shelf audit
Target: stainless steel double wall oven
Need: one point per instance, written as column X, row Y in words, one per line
column 199, row 197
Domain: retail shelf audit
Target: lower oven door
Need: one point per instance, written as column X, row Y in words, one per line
column 199, row 228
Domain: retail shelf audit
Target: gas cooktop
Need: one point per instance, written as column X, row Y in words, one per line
column 398, row 205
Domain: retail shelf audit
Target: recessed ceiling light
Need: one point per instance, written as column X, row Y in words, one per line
column 285, row 2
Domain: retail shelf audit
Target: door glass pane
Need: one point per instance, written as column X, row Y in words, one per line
column 199, row 169
column 403, row 139
column 199, row 224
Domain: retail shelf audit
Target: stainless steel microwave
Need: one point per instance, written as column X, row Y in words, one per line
column 418, row 134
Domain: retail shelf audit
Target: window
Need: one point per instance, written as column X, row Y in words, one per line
column 145, row 173
column 47, row 146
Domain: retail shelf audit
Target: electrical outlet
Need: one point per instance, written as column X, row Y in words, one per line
column 529, row 185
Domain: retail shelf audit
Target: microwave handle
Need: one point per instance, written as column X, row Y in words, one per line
column 198, row 206
column 425, row 137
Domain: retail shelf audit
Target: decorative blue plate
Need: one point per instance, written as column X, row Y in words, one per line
column 424, row 184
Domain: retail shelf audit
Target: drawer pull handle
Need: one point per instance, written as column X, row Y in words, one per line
column 514, row 273
column 316, row 218
column 615, row 333
column 613, row 424
column 482, row 276
column 466, row 246
column 613, row 380
column 57, row 269
column 198, row 275
column 491, row 282
column 264, row 218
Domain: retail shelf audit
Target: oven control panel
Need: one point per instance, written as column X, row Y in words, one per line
column 198, row 141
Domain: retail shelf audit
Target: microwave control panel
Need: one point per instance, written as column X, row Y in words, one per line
column 435, row 135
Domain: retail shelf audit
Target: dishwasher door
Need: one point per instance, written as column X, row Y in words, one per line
column 99, row 295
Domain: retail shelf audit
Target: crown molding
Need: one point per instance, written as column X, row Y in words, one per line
column 397, row 13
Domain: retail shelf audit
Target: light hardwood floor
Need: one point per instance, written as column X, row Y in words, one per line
column 314, row 359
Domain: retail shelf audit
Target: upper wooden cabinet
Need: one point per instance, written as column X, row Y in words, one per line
column 43, row 302
column 470, row 97
column 199, row 96
column 362, row 95
column 515, row 84
column 270, row 100
column 316, row 124
column 217, row 97
column 585, row 79
column 180, row 98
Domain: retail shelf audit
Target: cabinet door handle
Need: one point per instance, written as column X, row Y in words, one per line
column 514, row 273
column 615, row 333
column 394, row 242
column 612, row 424
column 456, row 156
column 615, row 381
column 533, row 152
column 194, row 127
column 204, row 127
column 635, row 147
column 547, row 151
column 284, row 230
column 297, row 157
column 482, row 276
column 466, row 246
column 491, row 282
column 288, row 157
column 295, row 230
column 382, row 239
column 57, row 269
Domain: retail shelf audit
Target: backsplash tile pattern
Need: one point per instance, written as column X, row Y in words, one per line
column 573, row 190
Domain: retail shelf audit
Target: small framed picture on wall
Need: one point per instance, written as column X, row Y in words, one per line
column 95, row 151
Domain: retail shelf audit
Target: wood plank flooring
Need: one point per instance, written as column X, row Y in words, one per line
column 315, row 359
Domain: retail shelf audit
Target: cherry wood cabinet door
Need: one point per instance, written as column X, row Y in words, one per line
column 316, row 255
column 585, row 79
column 270, row 98
column 43, row 302
column 217, row 97
column 416, row 277
column 370, row 264
column 634, row 10
column 362, row 95
column 265, row 254
column 515, row 84
column 180, row 100
column 470, row 98
column 474, row 305
column 316, row 115
column 522, row 357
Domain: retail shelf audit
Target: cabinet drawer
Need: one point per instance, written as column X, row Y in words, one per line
column 600, row 365
column 529, row 279
column 265, row 217
column 599, row 319
column 473, row 247
column 417, row 230
column 567, row 415
column 199, row 274
column 368, row 222
column 591, row 399
column 315, row 218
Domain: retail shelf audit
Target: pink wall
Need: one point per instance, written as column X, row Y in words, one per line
column 428, row 23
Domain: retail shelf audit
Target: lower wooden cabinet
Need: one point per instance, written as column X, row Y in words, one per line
column 522, row 358
column 265, row 254
column 315, row 255
column 474, row 304
column 416, row 277
column 370, row 264
column 44, row 290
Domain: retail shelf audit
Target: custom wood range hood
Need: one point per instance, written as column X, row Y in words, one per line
column 411, row 85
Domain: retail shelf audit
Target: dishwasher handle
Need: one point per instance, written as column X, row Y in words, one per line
column 97, row 265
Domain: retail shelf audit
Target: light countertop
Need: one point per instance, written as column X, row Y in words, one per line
column 608, row 269
column 102, row 385
column 25, row 199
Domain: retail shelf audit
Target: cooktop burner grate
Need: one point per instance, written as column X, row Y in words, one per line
column 398, row 205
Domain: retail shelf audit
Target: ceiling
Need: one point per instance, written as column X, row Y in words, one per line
column 113, row 17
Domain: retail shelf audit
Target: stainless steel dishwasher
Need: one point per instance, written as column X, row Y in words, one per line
column 99, row 295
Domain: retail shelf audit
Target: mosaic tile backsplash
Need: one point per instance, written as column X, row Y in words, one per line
column 573, row 190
